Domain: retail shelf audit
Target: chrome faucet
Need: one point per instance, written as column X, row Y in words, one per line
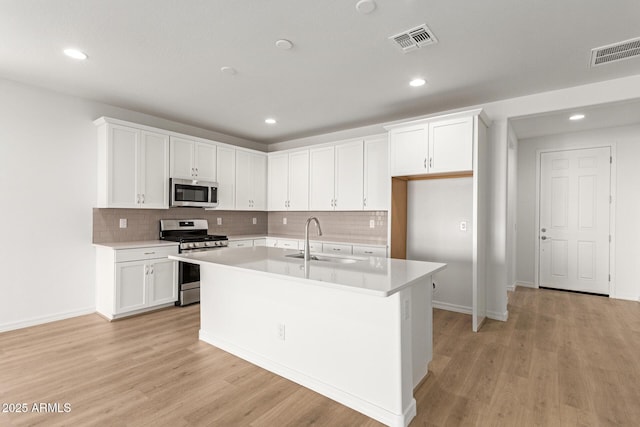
column 307, row 251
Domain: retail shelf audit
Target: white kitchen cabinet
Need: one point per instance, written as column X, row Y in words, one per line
column 364, row 250
column 243, row 243
column 451, row 145
column 376, row 174
column 251, row 180
column 192, row 159
column 336, row 248
column 336, row 175
column 131, row 281
column 260, row 242
column 133, row 167
column 435, row 146
column 409, row 147
column 226, row 168
column 287, row 243
column 288, row 180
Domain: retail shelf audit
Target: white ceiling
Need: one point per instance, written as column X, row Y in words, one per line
column 596, row 117
column 163, row 57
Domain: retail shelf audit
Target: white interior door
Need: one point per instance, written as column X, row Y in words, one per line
column 574, row 219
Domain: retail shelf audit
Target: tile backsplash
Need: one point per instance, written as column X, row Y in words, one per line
column 144, row 224
column 348, row 226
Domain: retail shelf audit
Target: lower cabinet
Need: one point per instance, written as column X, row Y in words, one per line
column 131, row 281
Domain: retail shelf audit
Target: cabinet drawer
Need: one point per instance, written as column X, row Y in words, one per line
column 287, row 244
column 123, row 255
column 259, row 242
column 370, row 251
column 247, row 243
column 331, row 248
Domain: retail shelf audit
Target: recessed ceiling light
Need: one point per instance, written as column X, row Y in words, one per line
column 577, row 117
column 365, row 6
column 270, row 121
column 284, row 44
column 417, row 82
column 75, row 54
column 228, row 70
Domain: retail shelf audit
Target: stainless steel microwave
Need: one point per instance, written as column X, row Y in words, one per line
column 193, row 193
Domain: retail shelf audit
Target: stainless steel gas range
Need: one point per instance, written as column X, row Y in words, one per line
column 193, row 236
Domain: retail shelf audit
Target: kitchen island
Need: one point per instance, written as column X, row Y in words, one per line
column 355, row 329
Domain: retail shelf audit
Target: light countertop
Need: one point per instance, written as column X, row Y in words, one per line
column 138, row 244
column 369, row 275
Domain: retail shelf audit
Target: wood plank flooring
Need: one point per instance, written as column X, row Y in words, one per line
column 562, row 359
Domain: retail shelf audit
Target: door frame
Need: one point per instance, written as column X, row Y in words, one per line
column 612, row 207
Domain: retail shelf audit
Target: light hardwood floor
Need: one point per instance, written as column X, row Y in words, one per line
column 561, row 360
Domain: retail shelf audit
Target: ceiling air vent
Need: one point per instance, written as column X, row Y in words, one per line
column 414, row 38
column 615, row 52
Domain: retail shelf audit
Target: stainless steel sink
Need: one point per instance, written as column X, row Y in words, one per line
column 334, row 259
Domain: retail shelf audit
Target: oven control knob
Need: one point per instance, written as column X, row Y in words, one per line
column 209, row 244
column 218, row 243
column 191, row 245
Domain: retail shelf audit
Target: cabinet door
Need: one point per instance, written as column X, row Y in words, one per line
column 182, row 158
column 409, row 150
column 376, row 174
column 321, row 179
column 349, row 172
column 278, row 168
column 131, row 290
column 226, row 165
column 153, row 171
column 162, row 281
column 122, row 166
column 205, row 161
column 258, row 191
column 243, row 180
column 299, row 181
column 451, row 145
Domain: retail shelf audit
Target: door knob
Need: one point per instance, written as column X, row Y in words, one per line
column 544, row 237
column 543, row 230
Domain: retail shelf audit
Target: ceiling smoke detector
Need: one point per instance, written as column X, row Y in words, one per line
column 414, row 38
column 615, row 52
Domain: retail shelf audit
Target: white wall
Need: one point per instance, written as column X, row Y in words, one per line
column 435, row 209
column 626, row 241
column 47, row 192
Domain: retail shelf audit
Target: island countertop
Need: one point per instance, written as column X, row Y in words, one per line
column 369, row 275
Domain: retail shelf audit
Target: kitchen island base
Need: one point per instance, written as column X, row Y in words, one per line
column 364, row 351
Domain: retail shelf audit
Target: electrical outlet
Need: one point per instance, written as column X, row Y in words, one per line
column 284, row 221
column 372, row 223
column 281, row 331
column 463, row 225
column 123, row 222
column 255, row 221
column 219, row 221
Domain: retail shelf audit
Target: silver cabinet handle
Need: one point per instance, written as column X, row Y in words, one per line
column 368, row 252
column 196, row 171
column 149, row 253
column 425, row 162
column 337, row 249
column 146, row 270
column 430, row 162
column 335, row 203
column 151, row 270
column 365, row 201
column 142, row 198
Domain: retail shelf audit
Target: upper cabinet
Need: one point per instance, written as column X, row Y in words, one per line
column 336, row 175
column 192, row 160
column 288, row 179
column 376, row 173
column 226, row 166
column 433, row 146
column 133, row 167
column 251, row 180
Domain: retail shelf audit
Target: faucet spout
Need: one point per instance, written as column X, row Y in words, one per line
column 307, row 251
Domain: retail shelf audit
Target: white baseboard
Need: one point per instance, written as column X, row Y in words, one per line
column 525, row 285
column 45, row 319
column 625, row 297
column 340, row 396
column 511, row 288
column 498, row 316
column 452, row 307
